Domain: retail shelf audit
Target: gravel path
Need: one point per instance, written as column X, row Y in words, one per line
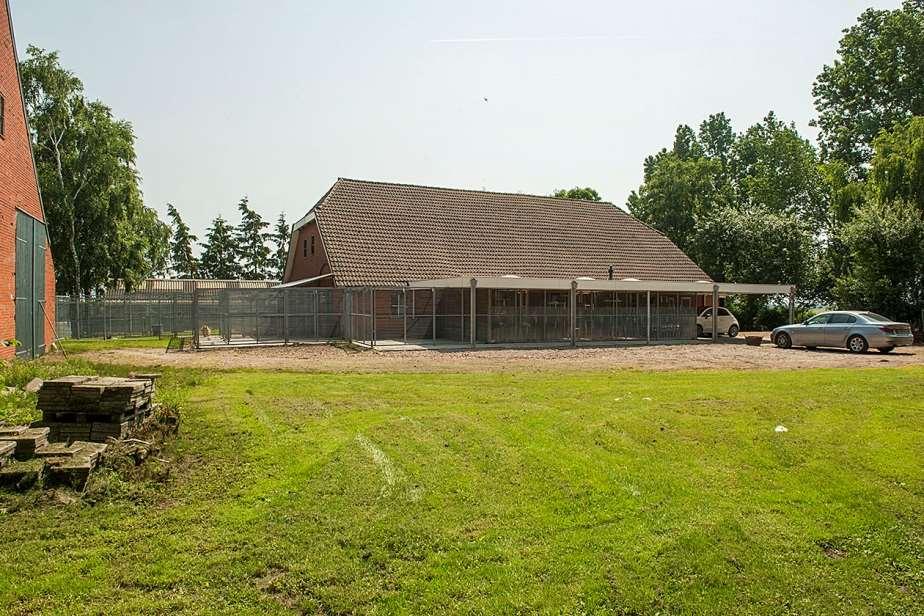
column 322, row 358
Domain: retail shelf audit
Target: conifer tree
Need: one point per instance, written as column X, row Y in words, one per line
column 183, row 263
column 250, row 237
column 219, row 252
column 281, row 247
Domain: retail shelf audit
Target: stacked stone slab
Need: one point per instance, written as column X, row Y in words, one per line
column 84, row 408
column 25, row 440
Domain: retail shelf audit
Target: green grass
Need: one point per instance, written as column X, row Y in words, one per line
column 85, row 345
column 620, row 492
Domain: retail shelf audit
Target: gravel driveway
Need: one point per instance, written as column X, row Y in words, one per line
column 323, row 358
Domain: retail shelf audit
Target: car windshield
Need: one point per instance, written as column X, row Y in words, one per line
column 875, row 318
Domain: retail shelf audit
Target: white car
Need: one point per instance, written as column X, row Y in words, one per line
column 728, row 324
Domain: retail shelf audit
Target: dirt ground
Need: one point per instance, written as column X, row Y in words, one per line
column 323, row 358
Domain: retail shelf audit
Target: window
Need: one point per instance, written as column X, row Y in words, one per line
column 2, row 117
column 312, row 244
column 842, row 319
column 304, row 248
column 876, row 318
column 707, row 313
column 724, row 313
column 821, row 319
column 397, row 305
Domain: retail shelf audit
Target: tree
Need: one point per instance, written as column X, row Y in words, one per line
column 253, row 254
column 772, row 166
column 584, row 194
column 876, row 82
column 281, row 247
column 219, row 252
column 85, row 159
column 898, row 165
column 183, row 262
column 886, row 244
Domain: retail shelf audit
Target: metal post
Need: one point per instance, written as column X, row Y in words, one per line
column 792, row 305
column 573, row 299
column 472, row 316
column 285, row 316
column 195, row 317
column 648, row 317
column 490, row 301
column 404, row 311
column 433, row 306
column 715, row 313
column 372, row 296
column 317, row 307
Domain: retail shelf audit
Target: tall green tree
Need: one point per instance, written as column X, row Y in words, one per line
column 886, row 244
column 680, row 185
column 585, row 194
column 280, row 238
column 251, row 237
column 85, row 158
column 876, row 81
column 183, row 262
column 773, row 167
column 219, row 252
column 898, row 164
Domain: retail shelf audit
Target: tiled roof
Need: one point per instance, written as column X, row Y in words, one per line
column 377, row 233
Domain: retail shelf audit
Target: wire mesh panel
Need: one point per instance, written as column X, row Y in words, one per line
column 136, row 314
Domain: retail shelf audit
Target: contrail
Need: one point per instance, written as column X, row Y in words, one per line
column 519, row 39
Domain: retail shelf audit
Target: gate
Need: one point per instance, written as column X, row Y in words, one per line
column 30, row 286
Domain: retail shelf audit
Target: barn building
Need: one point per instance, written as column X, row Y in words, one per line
column 27, row 281
column 417, row 264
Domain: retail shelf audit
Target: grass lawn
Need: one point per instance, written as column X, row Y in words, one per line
column 83, row 345
column 616, row 492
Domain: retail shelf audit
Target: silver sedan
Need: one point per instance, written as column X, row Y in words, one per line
column 855, row 331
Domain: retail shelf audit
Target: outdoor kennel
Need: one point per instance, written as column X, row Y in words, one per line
column 449, row 313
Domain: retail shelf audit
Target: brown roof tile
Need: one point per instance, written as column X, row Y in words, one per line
column 377, row 233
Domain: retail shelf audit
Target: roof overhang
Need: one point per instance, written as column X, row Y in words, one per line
column 303, row 281
column 583, row 284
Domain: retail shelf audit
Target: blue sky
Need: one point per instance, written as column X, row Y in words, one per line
column 276, row 99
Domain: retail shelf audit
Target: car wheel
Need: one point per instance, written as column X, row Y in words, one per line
column 857, row 344
column 699, row 331
column 783, row 340
column 886, row 349
column 733, row 331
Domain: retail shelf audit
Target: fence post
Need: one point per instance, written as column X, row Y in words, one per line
column 285, row 316
column 474, row 299
column 573, row 301
column 648, row 317
column 715, row 313
column 372, row 294
column 792, row 305
column 433, row 305
column 195, row 317
column 404, row 311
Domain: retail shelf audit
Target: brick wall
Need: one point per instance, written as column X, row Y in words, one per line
column 18, row 189
column 308, row 264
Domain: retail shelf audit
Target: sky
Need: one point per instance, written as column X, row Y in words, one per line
column 276, row 99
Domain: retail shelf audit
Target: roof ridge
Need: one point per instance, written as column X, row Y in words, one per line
column 472, row 190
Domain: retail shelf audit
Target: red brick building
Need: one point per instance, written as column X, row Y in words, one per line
column 27, row 280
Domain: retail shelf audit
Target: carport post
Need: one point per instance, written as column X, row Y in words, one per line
column 648, row 317
column 433, row 306
column 474, row 295
column 574, row 313
column 372, row 296
column 715, row 313
column 404, row 311
column 792, row 305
